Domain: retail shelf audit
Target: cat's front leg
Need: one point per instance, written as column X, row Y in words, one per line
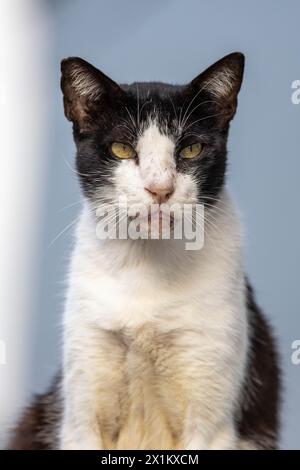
column 74, row 437
column 223, row 438
column 215, row 379
column 209, row 421
column 204, row 373
column 80, row 428
column 93, row 379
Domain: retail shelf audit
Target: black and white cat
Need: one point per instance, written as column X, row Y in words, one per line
column 164, row 348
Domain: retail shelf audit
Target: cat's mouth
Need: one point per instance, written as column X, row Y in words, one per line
column 153, row 223
column 153, row 217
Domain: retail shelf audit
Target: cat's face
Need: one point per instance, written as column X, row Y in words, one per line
column 151, row 142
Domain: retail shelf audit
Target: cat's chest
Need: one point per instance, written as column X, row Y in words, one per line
column 149, row 372
column 131, row 300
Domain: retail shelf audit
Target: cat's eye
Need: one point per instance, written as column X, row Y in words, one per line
column 121, row 150
column 191, row 151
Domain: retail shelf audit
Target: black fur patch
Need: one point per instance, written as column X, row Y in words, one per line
column 103, row 112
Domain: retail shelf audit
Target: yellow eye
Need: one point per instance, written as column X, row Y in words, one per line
column 191, row 151
column 121, row 150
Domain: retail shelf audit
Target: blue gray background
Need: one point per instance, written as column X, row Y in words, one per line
column 173, row 40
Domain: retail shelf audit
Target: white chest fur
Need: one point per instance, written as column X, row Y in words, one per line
column 155, row 341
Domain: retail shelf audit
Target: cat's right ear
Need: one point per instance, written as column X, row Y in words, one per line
column 86, row 90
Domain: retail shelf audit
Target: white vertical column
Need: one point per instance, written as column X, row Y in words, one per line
column 24, row 50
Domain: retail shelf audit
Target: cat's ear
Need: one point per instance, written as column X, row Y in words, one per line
column 222, row 82
column 85, row 90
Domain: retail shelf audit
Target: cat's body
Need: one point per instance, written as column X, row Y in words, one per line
column 164, row 348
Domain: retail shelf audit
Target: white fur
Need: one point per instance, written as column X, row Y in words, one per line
column 156, row 159
column 156, row 169
column 155, row 336
column 84, row 83
column 221, row 84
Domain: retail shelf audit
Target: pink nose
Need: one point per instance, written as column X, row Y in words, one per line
column 160, row 193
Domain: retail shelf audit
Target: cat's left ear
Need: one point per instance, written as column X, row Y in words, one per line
column 222, row 82
column 87, row 92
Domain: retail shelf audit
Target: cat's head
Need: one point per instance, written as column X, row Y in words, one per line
column 151, row 142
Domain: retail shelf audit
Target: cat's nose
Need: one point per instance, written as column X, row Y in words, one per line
column 161, row 193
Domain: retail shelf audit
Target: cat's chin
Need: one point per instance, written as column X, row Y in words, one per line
column 156, row 226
